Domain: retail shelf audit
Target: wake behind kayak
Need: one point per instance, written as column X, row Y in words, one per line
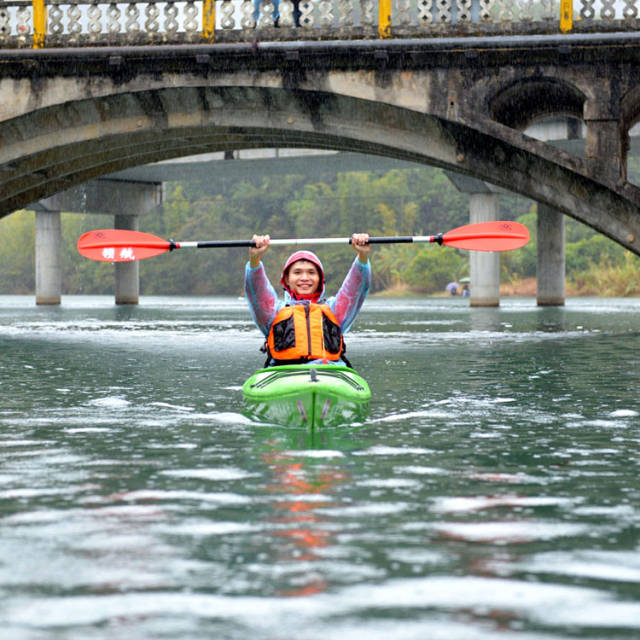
column 311, row 395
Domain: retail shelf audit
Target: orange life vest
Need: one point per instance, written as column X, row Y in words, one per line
column 303, row 332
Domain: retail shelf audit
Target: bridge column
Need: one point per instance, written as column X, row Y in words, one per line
column 604, row 147
column 484, row 266
column 127, row 276
column 551, row 257
column 48, row 257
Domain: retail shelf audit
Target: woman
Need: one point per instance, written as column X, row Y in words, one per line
column 305, row 327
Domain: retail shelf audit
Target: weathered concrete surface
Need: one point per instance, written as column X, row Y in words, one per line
column 484, row 266
column 127, row 274
column 48, row 258
column 551, row 257
column 459, row 105
column 107, row 196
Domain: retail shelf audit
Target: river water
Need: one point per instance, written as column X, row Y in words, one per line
column 493, row 490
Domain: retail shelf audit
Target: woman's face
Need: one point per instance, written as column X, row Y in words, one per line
column 303, row 277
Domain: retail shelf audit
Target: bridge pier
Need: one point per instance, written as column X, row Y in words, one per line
column 127, row 274
column 484, row 266
column 551, row 257
column 48, row 257
column 98, row 196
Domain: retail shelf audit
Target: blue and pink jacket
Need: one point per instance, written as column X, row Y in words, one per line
column 264, row 302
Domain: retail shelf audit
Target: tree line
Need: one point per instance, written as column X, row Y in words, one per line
column 419, row 201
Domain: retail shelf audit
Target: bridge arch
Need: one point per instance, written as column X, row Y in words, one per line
column 524, row 101
column 108, row 126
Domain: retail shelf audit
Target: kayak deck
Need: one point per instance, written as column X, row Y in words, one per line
column 312, row 395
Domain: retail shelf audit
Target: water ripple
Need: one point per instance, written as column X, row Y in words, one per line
column 492, row 492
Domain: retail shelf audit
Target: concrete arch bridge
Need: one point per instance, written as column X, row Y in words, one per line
column 458, row 97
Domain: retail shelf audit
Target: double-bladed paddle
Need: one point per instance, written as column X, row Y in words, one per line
column 120, row 245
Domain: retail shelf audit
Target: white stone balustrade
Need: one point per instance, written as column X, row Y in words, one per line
column 72, row 23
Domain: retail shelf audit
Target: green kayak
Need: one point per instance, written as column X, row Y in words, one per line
column 311, row 395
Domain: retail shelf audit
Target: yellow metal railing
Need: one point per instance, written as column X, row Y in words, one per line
column 384, row 18
column 566, row 15
column 208, row 20
column 39, row 23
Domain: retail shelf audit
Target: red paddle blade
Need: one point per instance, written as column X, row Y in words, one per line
column 500, row 235
column 119, row 245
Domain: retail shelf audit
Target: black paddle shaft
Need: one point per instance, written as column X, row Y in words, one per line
column 373, row 240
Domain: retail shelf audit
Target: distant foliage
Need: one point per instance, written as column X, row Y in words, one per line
column 431, row 268
column 399, row 202
column 393, row 203
column 595, row 265
column 610, row 278
column 17, row 258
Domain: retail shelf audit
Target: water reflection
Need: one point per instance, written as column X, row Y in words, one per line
column 492, row 490
column 299, row 490
column 486, row 319
column 553, row 319
column 308, row 472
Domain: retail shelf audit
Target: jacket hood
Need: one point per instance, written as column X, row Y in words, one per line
column 309, row 256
